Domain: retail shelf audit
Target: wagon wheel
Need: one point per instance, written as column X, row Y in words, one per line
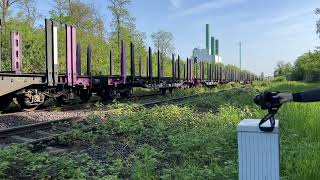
column 5, row 103
column 124, row 94
column 163, row 91
column 24, row 103
column 63, row 100
column 108, row 94
column 85, row 95
column 29, row 108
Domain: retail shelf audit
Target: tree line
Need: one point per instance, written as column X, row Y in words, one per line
column 23, row 16
column 306, row 67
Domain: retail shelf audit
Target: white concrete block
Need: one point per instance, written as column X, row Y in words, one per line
column 258, row 152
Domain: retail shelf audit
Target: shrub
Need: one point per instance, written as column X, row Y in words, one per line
column 279, row 79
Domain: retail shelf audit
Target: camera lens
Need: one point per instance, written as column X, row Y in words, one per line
column 257, row 100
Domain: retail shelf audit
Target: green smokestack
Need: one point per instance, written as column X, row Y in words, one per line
column 207, row 37
column 213, row 50
column 217, row 47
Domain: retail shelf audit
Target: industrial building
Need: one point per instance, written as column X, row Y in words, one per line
column 210, row 54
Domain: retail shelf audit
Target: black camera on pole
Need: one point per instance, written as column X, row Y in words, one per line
column 267, row 101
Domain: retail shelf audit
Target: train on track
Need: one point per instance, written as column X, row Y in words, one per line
column 31, row 90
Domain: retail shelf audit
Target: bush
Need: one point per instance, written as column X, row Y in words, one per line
column 173, row 142
column 279, row 79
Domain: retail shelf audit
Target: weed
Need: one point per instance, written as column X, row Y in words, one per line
column 171, row 142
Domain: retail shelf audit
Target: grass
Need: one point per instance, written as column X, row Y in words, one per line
column 300, row 144
column 300, row 134
column 172, row 142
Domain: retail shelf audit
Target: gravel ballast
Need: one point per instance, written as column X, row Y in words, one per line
column 24, row 118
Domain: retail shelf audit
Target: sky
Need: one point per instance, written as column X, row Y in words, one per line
column 270, row 31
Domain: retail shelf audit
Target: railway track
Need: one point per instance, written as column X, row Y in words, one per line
column 155, row 103
column 40, row 133
column 72, row 106
column 43, row 130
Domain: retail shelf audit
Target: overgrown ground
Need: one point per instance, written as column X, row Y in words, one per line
column 170, row 142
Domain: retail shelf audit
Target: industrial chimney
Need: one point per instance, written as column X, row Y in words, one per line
column 217, row 47
column 207, row 37
column 213, row 52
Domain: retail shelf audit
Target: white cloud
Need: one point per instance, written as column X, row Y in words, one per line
column 209, row 5
column 176, row 3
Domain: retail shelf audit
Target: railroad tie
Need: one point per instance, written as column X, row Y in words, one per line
column 43, row 133
column 20, row 139
column 54, row 151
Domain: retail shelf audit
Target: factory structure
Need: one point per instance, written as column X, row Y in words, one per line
column 210, row 54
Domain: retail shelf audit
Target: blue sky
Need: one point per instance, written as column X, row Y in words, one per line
column 270, row 30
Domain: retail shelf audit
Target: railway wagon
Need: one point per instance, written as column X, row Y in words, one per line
column 31, row 90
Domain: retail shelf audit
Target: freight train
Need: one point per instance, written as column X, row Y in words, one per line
column 31, row 90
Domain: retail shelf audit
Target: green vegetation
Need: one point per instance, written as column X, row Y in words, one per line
column 172, row 142
column 91, row 30
column 306, row 67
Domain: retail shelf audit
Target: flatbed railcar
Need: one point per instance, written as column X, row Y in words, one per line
column 31, row 90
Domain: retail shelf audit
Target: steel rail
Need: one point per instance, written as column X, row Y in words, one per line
column 3, row 114
column 21, row 130
column 35, row 127
column 4, row 133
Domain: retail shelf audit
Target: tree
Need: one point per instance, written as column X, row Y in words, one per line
column 90, row 31
column 79, row 14
column 307, row 67
column 262, row 76
column 5, row 6
column 163, row 41
column 317, row 11
column 283, row 69
column 123, row 28
column 28, row 11
column 121, row 17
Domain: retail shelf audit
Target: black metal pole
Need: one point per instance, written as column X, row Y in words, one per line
column 140, row 66
column 204, row 70
column 201, row 70
column 133, row 72
column 184, row 71
column 150, row 63
column 111, row 63
column 147, row 69
column 209, row 72
column 79, row 59
column 221, row 73
column 187, row 70
column 89, row 52
column 195, row 70
column 159, row 66
column 173, row 69
column 178, row 69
